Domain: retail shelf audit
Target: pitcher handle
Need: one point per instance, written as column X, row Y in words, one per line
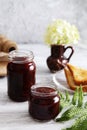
column 72, row 51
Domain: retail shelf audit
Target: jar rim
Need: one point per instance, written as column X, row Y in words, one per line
column 43, row 94
column 20, row 56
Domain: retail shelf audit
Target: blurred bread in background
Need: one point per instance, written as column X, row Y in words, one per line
column 6, row 45
column 3, row 56
column 3, row 68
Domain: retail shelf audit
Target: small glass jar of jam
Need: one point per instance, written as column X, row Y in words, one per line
column 20, row 74
column 44, row 102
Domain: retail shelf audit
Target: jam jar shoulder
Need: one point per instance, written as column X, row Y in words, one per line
column 25, row 66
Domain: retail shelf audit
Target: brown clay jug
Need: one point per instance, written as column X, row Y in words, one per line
column 57, row 61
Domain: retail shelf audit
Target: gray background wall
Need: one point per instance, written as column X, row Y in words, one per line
column 25, row 21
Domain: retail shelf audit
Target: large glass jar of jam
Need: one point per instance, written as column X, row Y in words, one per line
column 20, row 74
column 44, row 102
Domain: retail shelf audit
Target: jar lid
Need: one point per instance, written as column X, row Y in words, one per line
column 43, row 90
column 21, row 56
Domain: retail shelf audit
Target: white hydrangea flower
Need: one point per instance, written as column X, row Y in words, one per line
column 61, row 32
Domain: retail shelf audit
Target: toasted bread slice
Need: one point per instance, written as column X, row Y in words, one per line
column 79, row 74
column 70, row 81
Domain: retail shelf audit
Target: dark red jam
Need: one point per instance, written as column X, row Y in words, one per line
column 20, row 76
column 44, row 103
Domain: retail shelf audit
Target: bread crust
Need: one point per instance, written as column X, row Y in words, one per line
column 69, row 79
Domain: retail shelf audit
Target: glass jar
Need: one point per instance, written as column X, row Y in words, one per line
column 20, row 74
column 44, row 102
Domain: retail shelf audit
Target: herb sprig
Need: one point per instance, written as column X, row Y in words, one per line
column 77, row 109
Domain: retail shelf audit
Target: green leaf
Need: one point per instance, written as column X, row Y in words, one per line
column 67, row 96
column 75, row 97
column 80, row 97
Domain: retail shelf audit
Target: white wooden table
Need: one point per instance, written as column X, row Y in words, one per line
column 14, row 116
